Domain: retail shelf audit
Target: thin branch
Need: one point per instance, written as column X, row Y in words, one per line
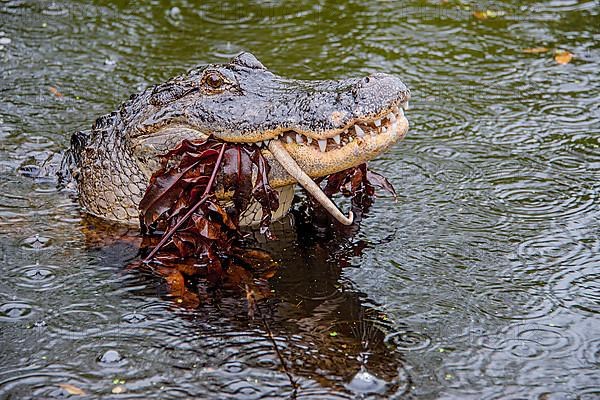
column 252, row 299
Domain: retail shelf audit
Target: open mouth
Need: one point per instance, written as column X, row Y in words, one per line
column 355, row 144
column 361, row 129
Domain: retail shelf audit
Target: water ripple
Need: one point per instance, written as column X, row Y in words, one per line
column 407, row 340
column 38, row 277
column 579, row 289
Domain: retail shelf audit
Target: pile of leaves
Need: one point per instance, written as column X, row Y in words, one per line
column 180, row 205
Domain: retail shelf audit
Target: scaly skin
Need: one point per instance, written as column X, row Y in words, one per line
column 240, row 102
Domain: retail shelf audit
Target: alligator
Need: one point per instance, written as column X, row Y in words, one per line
column 305, row 129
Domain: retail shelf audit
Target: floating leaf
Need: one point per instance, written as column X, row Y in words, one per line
column 55, row 91
column 563, row 56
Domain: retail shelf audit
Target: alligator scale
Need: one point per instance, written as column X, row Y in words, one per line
column 306, row 130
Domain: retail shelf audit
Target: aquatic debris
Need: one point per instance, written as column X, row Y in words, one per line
column 563, row 56
column 55, row 91
column 118, row 389
column 536, row 50
column 72, row 389
column 180, row 199
column 180, row 207
column 486, row 14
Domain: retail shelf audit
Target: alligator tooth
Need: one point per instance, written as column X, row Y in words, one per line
column 350, row 139
column 394, row 126
column 337, row 139
column 395, row 109
column 309, row 140
column 299, row 138
column 391, row 117
column 359, row 131
column 377, row 123
column 405, row 106
column 322, row 145
column 266, row 143
column 288, row 139
column 384, row 129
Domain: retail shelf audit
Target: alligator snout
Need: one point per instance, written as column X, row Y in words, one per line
column 377, row 91
column 382, row 81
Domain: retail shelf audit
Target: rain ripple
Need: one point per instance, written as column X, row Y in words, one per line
column 539, row 195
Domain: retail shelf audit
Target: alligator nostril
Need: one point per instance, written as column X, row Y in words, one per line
column 366, row 79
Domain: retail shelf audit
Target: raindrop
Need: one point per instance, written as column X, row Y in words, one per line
column 14, row 310
column 365, row 382
column 110, row 356
column 36, row 242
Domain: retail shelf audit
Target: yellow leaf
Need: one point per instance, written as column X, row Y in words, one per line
column 563, row 56
column 487, row 14
column 536, row 50
column 72, row 389
column 480, row 15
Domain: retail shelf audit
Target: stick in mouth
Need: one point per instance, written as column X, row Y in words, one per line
column 290, row 165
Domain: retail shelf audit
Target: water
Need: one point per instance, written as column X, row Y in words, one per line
column 481, row 282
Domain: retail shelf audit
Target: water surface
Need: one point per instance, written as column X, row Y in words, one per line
column 481, row 281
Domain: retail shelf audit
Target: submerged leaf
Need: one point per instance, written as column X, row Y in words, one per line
column 72, row 389
column 536, row 50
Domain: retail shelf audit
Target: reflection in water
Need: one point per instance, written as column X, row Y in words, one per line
column 324, row 331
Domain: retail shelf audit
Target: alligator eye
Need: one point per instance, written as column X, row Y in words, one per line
column 214, row 80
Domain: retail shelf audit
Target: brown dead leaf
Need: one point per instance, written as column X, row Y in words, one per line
column 71, row 389
column 536, row 50
column 55, row 91
column 563, row 56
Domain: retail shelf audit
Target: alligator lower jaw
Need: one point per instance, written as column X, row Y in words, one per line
column 356, row 145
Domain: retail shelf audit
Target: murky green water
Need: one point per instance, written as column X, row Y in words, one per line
column 481, row 282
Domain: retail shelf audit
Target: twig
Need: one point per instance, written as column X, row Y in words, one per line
column 254, row 305
column 203, row 198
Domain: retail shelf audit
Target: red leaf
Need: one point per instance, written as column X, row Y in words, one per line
column 380, row 181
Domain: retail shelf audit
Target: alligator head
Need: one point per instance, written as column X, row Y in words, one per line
column 307, row 129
